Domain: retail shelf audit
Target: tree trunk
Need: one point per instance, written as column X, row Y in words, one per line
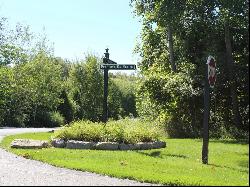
column 193, row 116
column 171, row 49
column 232, row 77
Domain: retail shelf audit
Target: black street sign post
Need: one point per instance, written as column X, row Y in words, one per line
column 106, row 66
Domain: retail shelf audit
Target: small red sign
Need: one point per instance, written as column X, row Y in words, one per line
column 211, row 71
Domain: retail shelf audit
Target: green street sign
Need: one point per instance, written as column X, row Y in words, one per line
column 118, row 66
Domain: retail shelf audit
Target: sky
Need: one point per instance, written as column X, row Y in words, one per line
column 78, row 27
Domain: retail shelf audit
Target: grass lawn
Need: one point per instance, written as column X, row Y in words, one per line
column 177, row 164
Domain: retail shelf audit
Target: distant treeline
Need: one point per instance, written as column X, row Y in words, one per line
column 48, row 91
column 38, row 89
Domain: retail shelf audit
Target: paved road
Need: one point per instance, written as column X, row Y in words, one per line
column 17, row 171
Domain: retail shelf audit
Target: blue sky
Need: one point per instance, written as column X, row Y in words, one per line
column 77, row 27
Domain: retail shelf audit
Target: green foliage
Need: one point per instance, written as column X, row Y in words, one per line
column 114, row 131
column 31, row 80
column 81, row 130
column 44, row 91
column 66, row 107
column 127, row 86
column 6, row 90
column 56, row 119
column 31, row 91
column 127, row 131
column 114, row 101
column 198, row 31
column 34, row 91
column 87, row 90
column 15, row 44
column 36, row 83
column 49, row 119
column 10, row 54
column 141, row 132
column 179, row 90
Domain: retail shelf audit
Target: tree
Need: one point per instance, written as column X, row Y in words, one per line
column 198, row 31
column 6, row 91
column 234, row 14
column 87, row 91
column 34, row 91
column 66, row 107
column 127, row 87
column 14, row 43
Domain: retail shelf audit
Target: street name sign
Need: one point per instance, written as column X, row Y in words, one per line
column 118, row 66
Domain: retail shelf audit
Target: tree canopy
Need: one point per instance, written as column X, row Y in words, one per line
column 198, row 29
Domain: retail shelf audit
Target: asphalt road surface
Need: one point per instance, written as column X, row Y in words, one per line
column 18, row 171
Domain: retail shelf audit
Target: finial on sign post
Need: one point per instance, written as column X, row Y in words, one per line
column 107, row 53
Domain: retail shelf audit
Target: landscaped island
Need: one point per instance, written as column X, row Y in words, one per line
column 125, row 134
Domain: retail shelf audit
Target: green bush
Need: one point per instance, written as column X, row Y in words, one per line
column 122, row 131
column 86, row 90
column 114, row 131
column 28, row 91
column 66, row 107
column 141, row 132
column 174, row 100
column 81, row 130
column 49, row 119
column 56, row 119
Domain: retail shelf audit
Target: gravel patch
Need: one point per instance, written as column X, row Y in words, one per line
column 18, row 171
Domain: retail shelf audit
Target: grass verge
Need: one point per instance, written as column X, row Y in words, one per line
column 177, row 164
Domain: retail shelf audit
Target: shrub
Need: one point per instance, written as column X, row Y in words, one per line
column 141, row 131
column 49, row 119
column 81, row 131
column 114, row 131
column 56, row 119
column 66, row 107
column 126, row 130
